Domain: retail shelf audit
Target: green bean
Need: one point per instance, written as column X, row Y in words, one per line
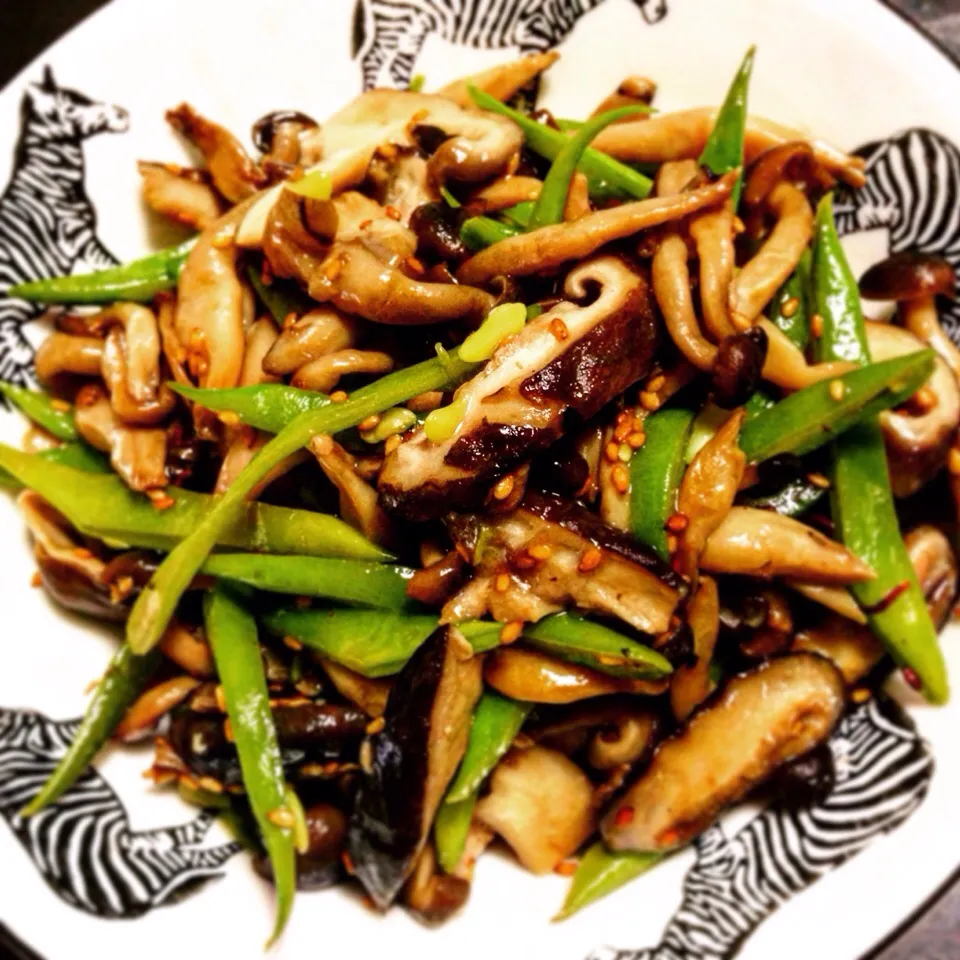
column 811, row 417
column 373, row 643
column 226, row 812
column 76, row 455
column 43, row 410
column 655, row 473
column 121, row 684
column 574, row 638
column 600, row 872
column 375, row 585
column 153, row 608
column 550, row 205
column 792, row 499
column 608, row 178
column 480, row 232
column 450, row 828
column 266, row 406
column 496, row 722
column 723, row 151
column 139, row 280
column 281, row 298
column 519, row 214
column 232, row 633
column 103, row 506
column 864, row 514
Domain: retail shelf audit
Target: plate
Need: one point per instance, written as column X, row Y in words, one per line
column 135, row 872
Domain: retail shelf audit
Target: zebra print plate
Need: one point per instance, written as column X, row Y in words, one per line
column 126, row 870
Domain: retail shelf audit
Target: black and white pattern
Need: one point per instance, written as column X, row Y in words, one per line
column 47, row 222
column 83, row 845
column 389, row 34
column 913, row 191
column 883, row 769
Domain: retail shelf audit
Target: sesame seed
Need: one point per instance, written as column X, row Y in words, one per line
column 625, row 453
column 282, row 817
column 672, row 543
column 369, row 423
column 837, row 390
column 392, row 212
column 590, row 560
column 366, row 757
column 61, row 405
column 612, row 451
column 292, row 642
column 818, row 480
column 559, row 329
column 566, row 868
column 391, row 444
column 228, row 730
column 289, row 320
column 502, row 583
column 511, row 631
column 649, row 401
column 924, row 400
column 677, row 522
column 656, row 383
column 333, row 269
column 622, row 430
column 816, row 325
column 338, row 396
column 540, row 551
column 36, row 580
column 210, row 784
column 229, row 418
column 415, row 265
column 159, row 499
column 789, row 307
column 375, row 726
column 953, row 461
column 220, row 699
column 82, row 553
column 860, row 695
column 639, row 422
column 503, row 488
column 620, row 478
column 637, row 439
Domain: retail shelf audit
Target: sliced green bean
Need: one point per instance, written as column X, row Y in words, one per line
column 139, row 280
column 103, row 506
column 121, row 684
column 812, row 417
column 375, row 585
column 574, row 638
column 656, row 470
column 79, row 456
column 266, row 406
column 864, row 514
column 43, row 410
column 519, row 214
column 154, row 607
column 550, row 205
column 601, row 872
column 450, row 828
column 232, row 633
column 480, row 232
column 609, row 179
column 723, row 151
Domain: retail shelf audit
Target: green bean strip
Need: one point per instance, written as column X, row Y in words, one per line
column 450, row 828
column 864, row 513
column 550, row 205
column 281, row 298
column 375, row 585
column 496, row 722
column 480, row 232
column 813, row 416
column 601, row 872
column 609, row 179
column 76, row 455
column 266, row 406
column 232, row 633
column 104, row 507
column 43, row 410
column 153, row 608
column 121, row 684
column 723, row 151
column 655, row 473
column 519, row 214
column 139, row 280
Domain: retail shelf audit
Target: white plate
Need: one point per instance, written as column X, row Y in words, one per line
column 853, row 72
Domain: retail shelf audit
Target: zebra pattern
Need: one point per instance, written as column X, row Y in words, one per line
column 389, row 34
column 912, row 190
column 83, row 845
column 883, row 770
column 47, row 222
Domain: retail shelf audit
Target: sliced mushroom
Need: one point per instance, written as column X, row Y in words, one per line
column 836, row 599
column 760, row 543
column 62, row 353
column 407, row 186
column 503, row 193
column 324, row 373
column 411, row 762
column 587, row 564
column 370, row 695
column 287, row 138
column 541, row 803
column 792, row 162
column 908, row 275
column 570, row 357
column 551, row 246
column 713, row 234
column 318, row 332
column 502, row 81
column 432, row 894
column 917, row 443
column 935, row 563
column 438, row 580
column 851, row 648
column 922, row 319
column 683, row 135
column 538, row 678
column 633, row 91
column 624, row 741
column 142, row 715
column 786, row 366
column 762, row 719
column 180, row 193
column 234, row 174
column 691, row 683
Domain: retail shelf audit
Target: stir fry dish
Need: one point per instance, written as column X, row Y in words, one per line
column 477, row 476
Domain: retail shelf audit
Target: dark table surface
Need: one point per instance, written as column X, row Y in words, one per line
column 27, row 28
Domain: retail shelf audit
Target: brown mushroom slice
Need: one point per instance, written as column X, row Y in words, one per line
column 505, row 192
column 917, row 443
column 713, row 234
column 234, row 174
column 833, row 598
column 187, row 650
column 632, row 91
column 370, row 695
column 851, row 648
column 318, row 332
column 763, row 275
column 569, row 357
column 179, row 193
column 683, row 135
column 541, row 804
column 935, row 563
column 407, row 186
column 535, row 677
column 549, row 247
column 908, row 275
column 761, row 720
column 359, row 505
column 922, row 319
column 624, row 740
column 411, row 761
column 787, row 367
column 324, row 373
column 587, row 564
column 707, row 491
column 432, row 894
column 286, row 138
column 142, row 715
column 502, row 81
column 62, row 353
column 121, row 380
column 760, row 543
column 691, row 684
